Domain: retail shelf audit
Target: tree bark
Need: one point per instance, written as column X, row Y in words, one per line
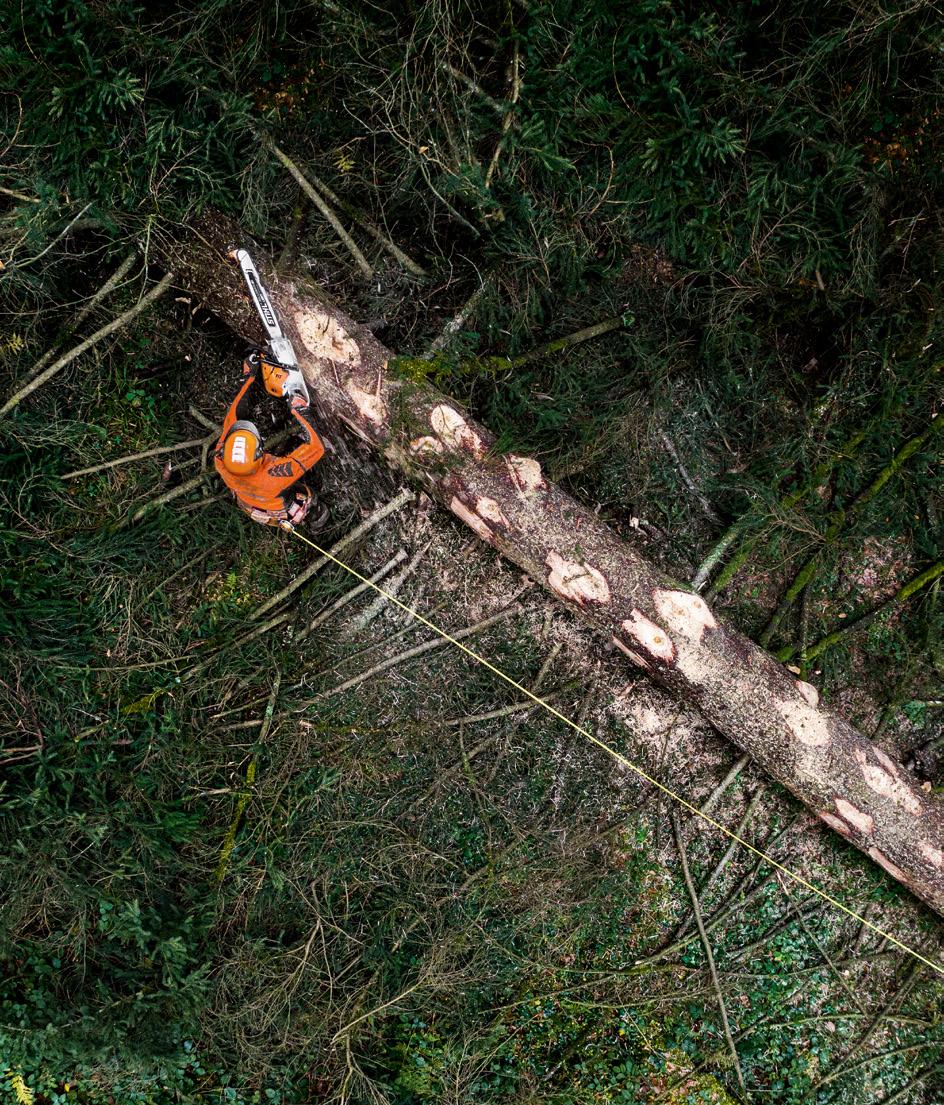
column 661, row 626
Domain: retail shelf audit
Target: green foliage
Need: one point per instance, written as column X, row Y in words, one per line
column 128, row 112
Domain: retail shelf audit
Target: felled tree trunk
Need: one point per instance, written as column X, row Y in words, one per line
column 659, row 624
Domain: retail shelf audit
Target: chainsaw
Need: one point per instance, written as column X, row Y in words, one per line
column 280, row 372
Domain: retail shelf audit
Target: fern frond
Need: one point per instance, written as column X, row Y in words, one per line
column 12, row 345
column 24, row 1095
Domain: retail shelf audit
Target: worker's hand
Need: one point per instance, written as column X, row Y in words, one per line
column 298, row 509
column 298, row 403
column 251, row 362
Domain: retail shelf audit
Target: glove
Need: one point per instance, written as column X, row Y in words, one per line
column 251, row 361
column 299, row 403
column 298, row 509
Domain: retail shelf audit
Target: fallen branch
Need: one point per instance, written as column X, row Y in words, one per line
column 715, row 797
column 362, row 621
column 669, row 445
column 722, row 863
column 206, row 423
column 821, row 474
column 314, row 568
column 162, row 500
column 911, row 979
column 312, row 193
column 504, row 711
column 103, row 292
column 558, row 345
column 728, row 853
column 242, row 801
column 18, row 195
column 11, row 264
column 473, row 86
column 282, row 619
column 706, row 944
column 716, row 555
column 366, row 225
column 905, row 1092
column 116, row 324
column 455, row 324
column 841, row 517
column 824, row 954
column 492, row 738
column 412, row 654
column 354, row 593
column 901, row 595
column 157, row 452
column 509, row 114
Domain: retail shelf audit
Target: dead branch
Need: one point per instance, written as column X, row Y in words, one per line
column 413, row 653
column 393, row 588
column 715, row 797
column 669, row 445
column 312, row 193
column 706, row 944
column 168, row 497
column 116, row 324
column 842, row 517
column 558, row 345
column 157, row 452
column 509, row 115
column 928, row 576
column 105, row 290
column 366, row 225
column 455, row 324
column 313, row 569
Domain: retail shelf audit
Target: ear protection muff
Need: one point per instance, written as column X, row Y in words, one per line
column 242, row 449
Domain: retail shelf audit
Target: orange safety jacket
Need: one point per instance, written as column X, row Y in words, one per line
column 264, row 489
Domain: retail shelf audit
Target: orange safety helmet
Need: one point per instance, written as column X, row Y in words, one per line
column 242, row 449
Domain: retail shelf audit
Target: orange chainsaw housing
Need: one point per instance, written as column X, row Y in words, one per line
column 264, row 491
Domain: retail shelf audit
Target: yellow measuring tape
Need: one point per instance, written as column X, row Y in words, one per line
column 620, row 758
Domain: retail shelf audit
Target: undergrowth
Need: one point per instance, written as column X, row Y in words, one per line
column 753, row 197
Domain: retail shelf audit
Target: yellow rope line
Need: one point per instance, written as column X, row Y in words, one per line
column 620, row 758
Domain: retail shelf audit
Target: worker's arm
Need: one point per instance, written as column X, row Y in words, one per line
column 239, row 408
column 311, row 450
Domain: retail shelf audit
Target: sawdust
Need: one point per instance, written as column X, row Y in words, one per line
column 877, row 569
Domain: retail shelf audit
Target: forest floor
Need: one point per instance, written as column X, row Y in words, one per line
column 260, row 872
